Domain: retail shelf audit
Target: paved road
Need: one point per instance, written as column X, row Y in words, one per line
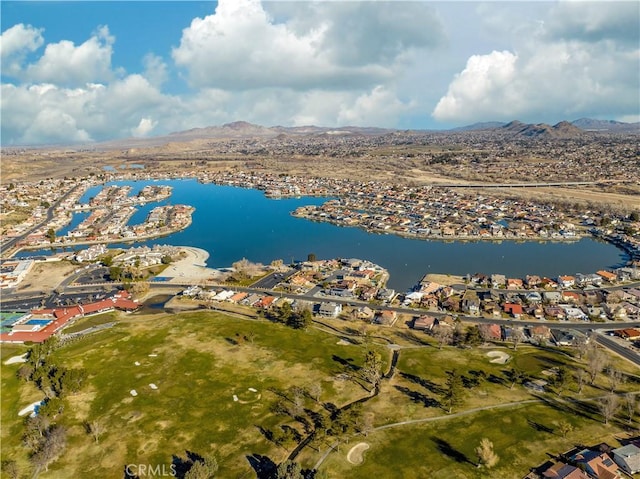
column 618, row 348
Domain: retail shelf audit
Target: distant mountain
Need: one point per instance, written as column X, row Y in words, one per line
column 564, row 129
column 243, row 129
column 485, row 125
column 589, row 124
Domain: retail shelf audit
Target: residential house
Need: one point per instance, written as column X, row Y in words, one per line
column 386, row 294
column 498, row 280
column 424, row 323
column 571, row 297
column 596, row 464
column 560, row 470
column 364, row 313
column 329, row 310
column 552, row 297
column 533, row 297
column 386, row 318
column 515, row 283
column 548, row 283
column 490, row 332
column 563, row 338
column 566, row 281
column 628, row 458
column 514, row 310
column 629, row 334
column 608, row 276
column 540, row 334
column 532, row 281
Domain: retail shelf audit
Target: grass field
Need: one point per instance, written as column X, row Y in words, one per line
column 200, row 360
column 90, row 321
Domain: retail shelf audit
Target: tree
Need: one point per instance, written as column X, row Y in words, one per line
column 315, row 391
column 582, row 345
column 453, row 390
column 473, row 336
column 285, row 311
column 96, row 428
column 615, row 378
column 486, row 455
column 630, row 401
column 515, row 375
column 301, row 320
column 116, row 273
column 596, row 361
column 51, row 448
column 561, row 379
column 204, row 467
column 51, row 235
column 10, row 468
column 364, row 423
column 289, row 470
column 311, row 257
column 608, row 406
column 442, row 334
column 24, row 372
column 517, row 336
column 372, row 369
column 51, row 408
column 35, row 428
column 580, row 375
column 140, row 288
column 565, row 428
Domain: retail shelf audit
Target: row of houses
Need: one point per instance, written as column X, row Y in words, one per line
column 598, row 462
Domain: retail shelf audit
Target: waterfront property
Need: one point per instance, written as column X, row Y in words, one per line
column 231, row 223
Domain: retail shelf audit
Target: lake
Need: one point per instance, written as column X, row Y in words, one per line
column 233, row 223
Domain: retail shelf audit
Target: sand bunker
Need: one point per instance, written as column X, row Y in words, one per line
column 342, row 342
column 30, row 409
column 17, row 359
column 500, row 357
column 356, row 454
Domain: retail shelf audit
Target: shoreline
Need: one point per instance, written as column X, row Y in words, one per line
column 455, row 238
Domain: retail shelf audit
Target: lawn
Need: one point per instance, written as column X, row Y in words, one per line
column 90, row 321
column 522, row 436
column 200, row 360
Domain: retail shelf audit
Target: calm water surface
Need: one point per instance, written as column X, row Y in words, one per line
column 233, row 223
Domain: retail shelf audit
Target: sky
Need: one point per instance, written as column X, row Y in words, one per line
column 82, row 71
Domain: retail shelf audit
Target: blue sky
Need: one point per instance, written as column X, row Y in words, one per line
column 91, row 71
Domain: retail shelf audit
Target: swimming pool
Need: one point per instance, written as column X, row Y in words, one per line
column 40, row 322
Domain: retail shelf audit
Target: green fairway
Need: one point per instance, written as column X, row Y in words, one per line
column 208, row 383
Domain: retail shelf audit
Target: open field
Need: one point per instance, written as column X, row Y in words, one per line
column 90, row 321
column 46, row 276
column 200, row 360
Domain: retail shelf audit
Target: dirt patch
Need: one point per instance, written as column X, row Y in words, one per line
column 499, row 357
column 46, row 276
column 356, row 454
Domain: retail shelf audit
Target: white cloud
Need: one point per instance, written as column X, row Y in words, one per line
column 475, row 91
column 337, row 46
column 155, row 69
column 64, row 63
column 15, row 43
column 581, row 59
column 145, row 127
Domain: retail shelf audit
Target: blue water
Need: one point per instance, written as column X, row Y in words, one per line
column 76, row 219
column 40, row 322
column 232, row 223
